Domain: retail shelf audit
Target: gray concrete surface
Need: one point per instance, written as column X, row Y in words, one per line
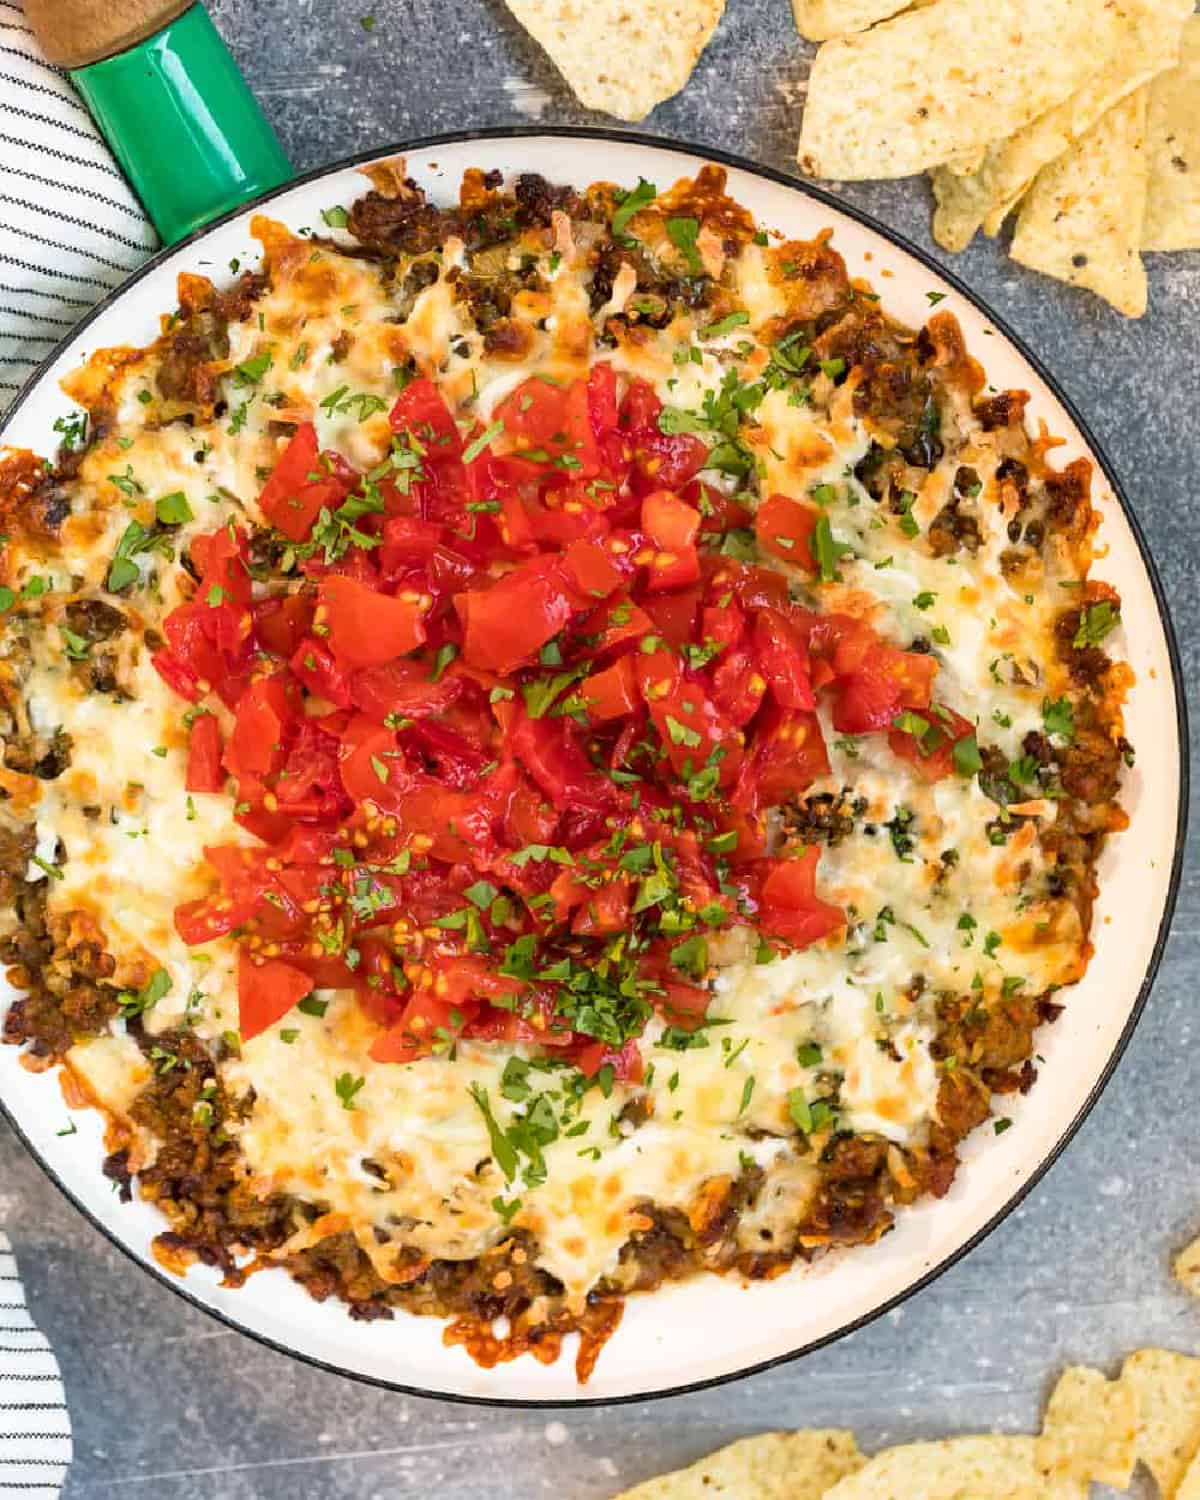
column 168, row 1405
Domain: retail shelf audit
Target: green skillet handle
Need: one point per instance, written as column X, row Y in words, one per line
column 185, row 128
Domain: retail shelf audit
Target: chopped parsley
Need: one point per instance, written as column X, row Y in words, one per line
column 631, row 203
column 683, row 234
column 346, row 1087
column 1095, row 622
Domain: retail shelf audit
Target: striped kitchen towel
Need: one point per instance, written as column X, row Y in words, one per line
column 70, row 226
column 70, row 230
column 35, row 1426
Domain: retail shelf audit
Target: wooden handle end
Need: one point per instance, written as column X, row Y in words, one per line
column 74, row 33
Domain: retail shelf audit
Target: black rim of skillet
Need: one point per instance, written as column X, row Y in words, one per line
column 729, row 159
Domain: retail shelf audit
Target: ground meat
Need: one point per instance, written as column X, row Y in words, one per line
column 822, row 818
column 1013, row 471
column 673, row 292
column 1088, row 665
column 1068, row 498
column 16, row 845
column 43, row 756
column 953, row 528
column 404, row 225
column 961, row 1104
column 66, row 995
column 813, row 279
column 1003, row 410
column 95, row 620
column 538, row 199
column 1091, row 767
column 182, row 374
column 853, row 1158
column 116, row 1168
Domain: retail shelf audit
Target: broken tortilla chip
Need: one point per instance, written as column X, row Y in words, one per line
column 617, row 57
column 947, row 80
column 1168, row 1392
column 1173, row 148
column 1081, row 221
column 771, row 1466
column 963, row 1468
column 1090, row 1430
column 987, row 196
column 1187, row 1268
column 819, row 20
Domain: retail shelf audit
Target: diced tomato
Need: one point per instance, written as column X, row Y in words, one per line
column 619, row 622
column 722, row 626
column 178, row 676
column 719, row 512
column 591, row 910
column 379, row 980
column 446, row 1001
column 738, row 686
column 602, row 399
column 789, row 755
column 529, row 817
column 282, row 622
column 504, row 626
column 789, row 905
column 407, row 542
column 682, row 1005
column 190, row 645
column 211, row 917
column 782, row 660
column 256, row 746
column 301, row 485
column 674, row 615
column 320, row 672
column 611, row 693
column 592, row 570
column 665, row 460
column 693, row 732
column 626, row 1062
column 370, row 768
column 420, row 410
column 266, row 992
column 640, row 408
column 552, row 422
column 783, row 527
column 223, row 559
column 204, row 772
column 668, row 521
column 884, row 682
column 753, row 587
column 402, row 688
column 366, row 627
column 930, row 751
column 549, row 751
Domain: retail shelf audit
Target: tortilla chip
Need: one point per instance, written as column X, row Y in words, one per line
column 771, row 1466
column 1173, row 147
column 1082, row 219
column 1090, row 1429
column 619, row 56
column 964, row 1468
column 988, row 196
column 1187, row 1262
column 819, row 20
column 946, row 80
column 1168, row 1391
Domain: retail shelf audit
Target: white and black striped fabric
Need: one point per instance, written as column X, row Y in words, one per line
column 35, row 1426
column 71, row 228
